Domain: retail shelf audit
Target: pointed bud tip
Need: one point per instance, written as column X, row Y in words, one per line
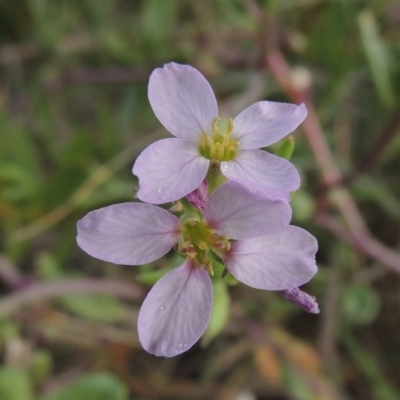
column 301, row 300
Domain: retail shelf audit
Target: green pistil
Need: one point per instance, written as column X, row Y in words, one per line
column 220, row 147
column 214, row 176
column 198, row 240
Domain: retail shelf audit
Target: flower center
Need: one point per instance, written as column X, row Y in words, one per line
column 197, row 240
column 220, row 147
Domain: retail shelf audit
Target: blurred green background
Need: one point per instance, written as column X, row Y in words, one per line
column 74, row 114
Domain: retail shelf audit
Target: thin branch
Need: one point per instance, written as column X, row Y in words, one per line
column 356, row 232
column 50, row 290
column 74, row 44
column 91, row 75
column 329, row 324
column 273, row 338
column 87, row 188
column 362, row 241
column 372, row 157
column 10, row 275
column 318, row 144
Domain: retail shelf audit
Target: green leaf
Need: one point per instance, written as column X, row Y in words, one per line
column 97, row 307
column 220, row 311
column 17, row 146
column 286, row 148
column 366, row 362
column 158, row 19
column 360, row 304
column 303, row 205
column 15, row 385
column 16, row 183
column 100, row 386
column 377, row 56
column 47, row 266
column 8, row 330
column 295, row 384
column 41, row 366
column 377, row 191
column 151, row 277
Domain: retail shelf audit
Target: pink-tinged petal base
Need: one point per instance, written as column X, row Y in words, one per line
column 199, row 196
column 168, row 170
column 182, row 100
column 236, row 212
column 128, row 233
column 279, row 261
column 266, row 122
column 176, row 312
column 264, row 170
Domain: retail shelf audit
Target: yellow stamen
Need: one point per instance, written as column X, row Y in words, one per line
column 217, row 132
column 203, row 143
column 208, row 266
column 212, row 150
column 199, row 241
column 219, row 147
column 230, row 127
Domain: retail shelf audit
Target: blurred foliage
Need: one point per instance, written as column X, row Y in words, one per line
column 100, row 386
column 74, row 114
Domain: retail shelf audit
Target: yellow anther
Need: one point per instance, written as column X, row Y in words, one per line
column 208, row 266
column 215, row 129
column 199, row 241
column 185, row 245
column 222, row 243
column 218, row 146
column 186, row 248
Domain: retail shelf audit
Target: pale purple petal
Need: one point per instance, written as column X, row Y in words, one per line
column 176, row 312
column 128, row 233
column 264, row 170
column 266, row 122
column 281, row 260
column 300, row 299
column 234, row 211
column 182, row 100
column 168, row 170
column 267, row 193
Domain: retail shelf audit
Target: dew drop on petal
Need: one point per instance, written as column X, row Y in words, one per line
column 163, row 308
column 225, row 167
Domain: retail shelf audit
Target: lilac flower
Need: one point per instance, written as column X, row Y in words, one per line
column 185, row 104
column 267, row 254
